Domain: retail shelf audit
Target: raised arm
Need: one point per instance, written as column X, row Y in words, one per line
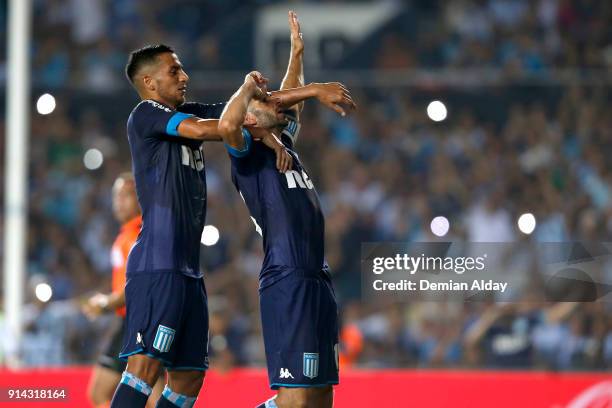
column 293, row 92
column 232, row 118
column 236, row 137
column 334, row 95
column 294, row 77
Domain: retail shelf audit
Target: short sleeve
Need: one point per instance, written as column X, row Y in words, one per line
column 155, row 119
column 245, row 150
column 201, row 110
column 292, row 129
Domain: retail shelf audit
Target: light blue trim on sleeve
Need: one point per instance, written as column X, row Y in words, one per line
column 175, row 121
column 247, row 145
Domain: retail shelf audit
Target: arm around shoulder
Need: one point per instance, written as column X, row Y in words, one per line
column 200, row 129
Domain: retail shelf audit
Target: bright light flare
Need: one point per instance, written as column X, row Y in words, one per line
column 210, row 235
column 43, row 292
column 440, row 226
column 526, row 223
column 93, row 159
column 45, row 104
column 436, row 111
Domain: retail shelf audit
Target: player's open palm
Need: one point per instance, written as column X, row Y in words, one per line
column 297, row 42
column 335, row 96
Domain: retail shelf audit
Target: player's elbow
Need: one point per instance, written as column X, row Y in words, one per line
column 227, row 129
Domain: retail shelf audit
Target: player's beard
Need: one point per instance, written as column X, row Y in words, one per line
column 269, row 120
column 174, row 98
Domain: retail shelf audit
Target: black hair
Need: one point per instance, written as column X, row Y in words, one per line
column 144, row 56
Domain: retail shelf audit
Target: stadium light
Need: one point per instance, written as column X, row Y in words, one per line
column 440, row 226
column 210, row 235
column 526, row 223
column 45, row 104
column 43, row 292
column 93, row 159
column 436, row 111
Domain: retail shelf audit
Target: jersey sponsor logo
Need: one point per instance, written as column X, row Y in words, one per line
column 163, row 338
column 192, row 158
column 159, row 106
column 295, row 179
column 284, row 373
column 311, row 365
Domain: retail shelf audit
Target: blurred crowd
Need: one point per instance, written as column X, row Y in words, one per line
column 382, row 175
column 519, row 36
column 84, row 43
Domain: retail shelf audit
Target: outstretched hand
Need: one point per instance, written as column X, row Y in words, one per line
column 297, row 41
column 335, row 96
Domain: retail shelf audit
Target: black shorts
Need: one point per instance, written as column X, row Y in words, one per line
column 109, row 357
column 167, row 319
column 299, row 318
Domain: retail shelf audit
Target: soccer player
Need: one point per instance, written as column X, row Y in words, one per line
column 107, row 372
column 167, row 315
column 297, row 302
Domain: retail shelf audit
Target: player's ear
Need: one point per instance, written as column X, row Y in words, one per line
column 250, row 119
column 148, row 82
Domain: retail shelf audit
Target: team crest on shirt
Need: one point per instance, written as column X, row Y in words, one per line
column 163, row 338
column 311, row 365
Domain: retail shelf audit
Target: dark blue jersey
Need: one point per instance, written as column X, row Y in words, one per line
column 284, row 207
column 171, row 188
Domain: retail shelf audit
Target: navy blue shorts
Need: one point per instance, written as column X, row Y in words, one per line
column 299, row 317
column 167, row 319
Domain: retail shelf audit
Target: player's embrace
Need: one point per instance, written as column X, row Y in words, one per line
column 298, row 307
column 167, row 315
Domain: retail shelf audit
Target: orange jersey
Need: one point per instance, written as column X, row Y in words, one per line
column 119, row 254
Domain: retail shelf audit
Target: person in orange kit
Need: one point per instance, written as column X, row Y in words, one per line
column 107, row 372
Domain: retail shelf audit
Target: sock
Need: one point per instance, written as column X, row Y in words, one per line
column 132, row 392
column 171, row 399
column 268, row 404
column 164, row 403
